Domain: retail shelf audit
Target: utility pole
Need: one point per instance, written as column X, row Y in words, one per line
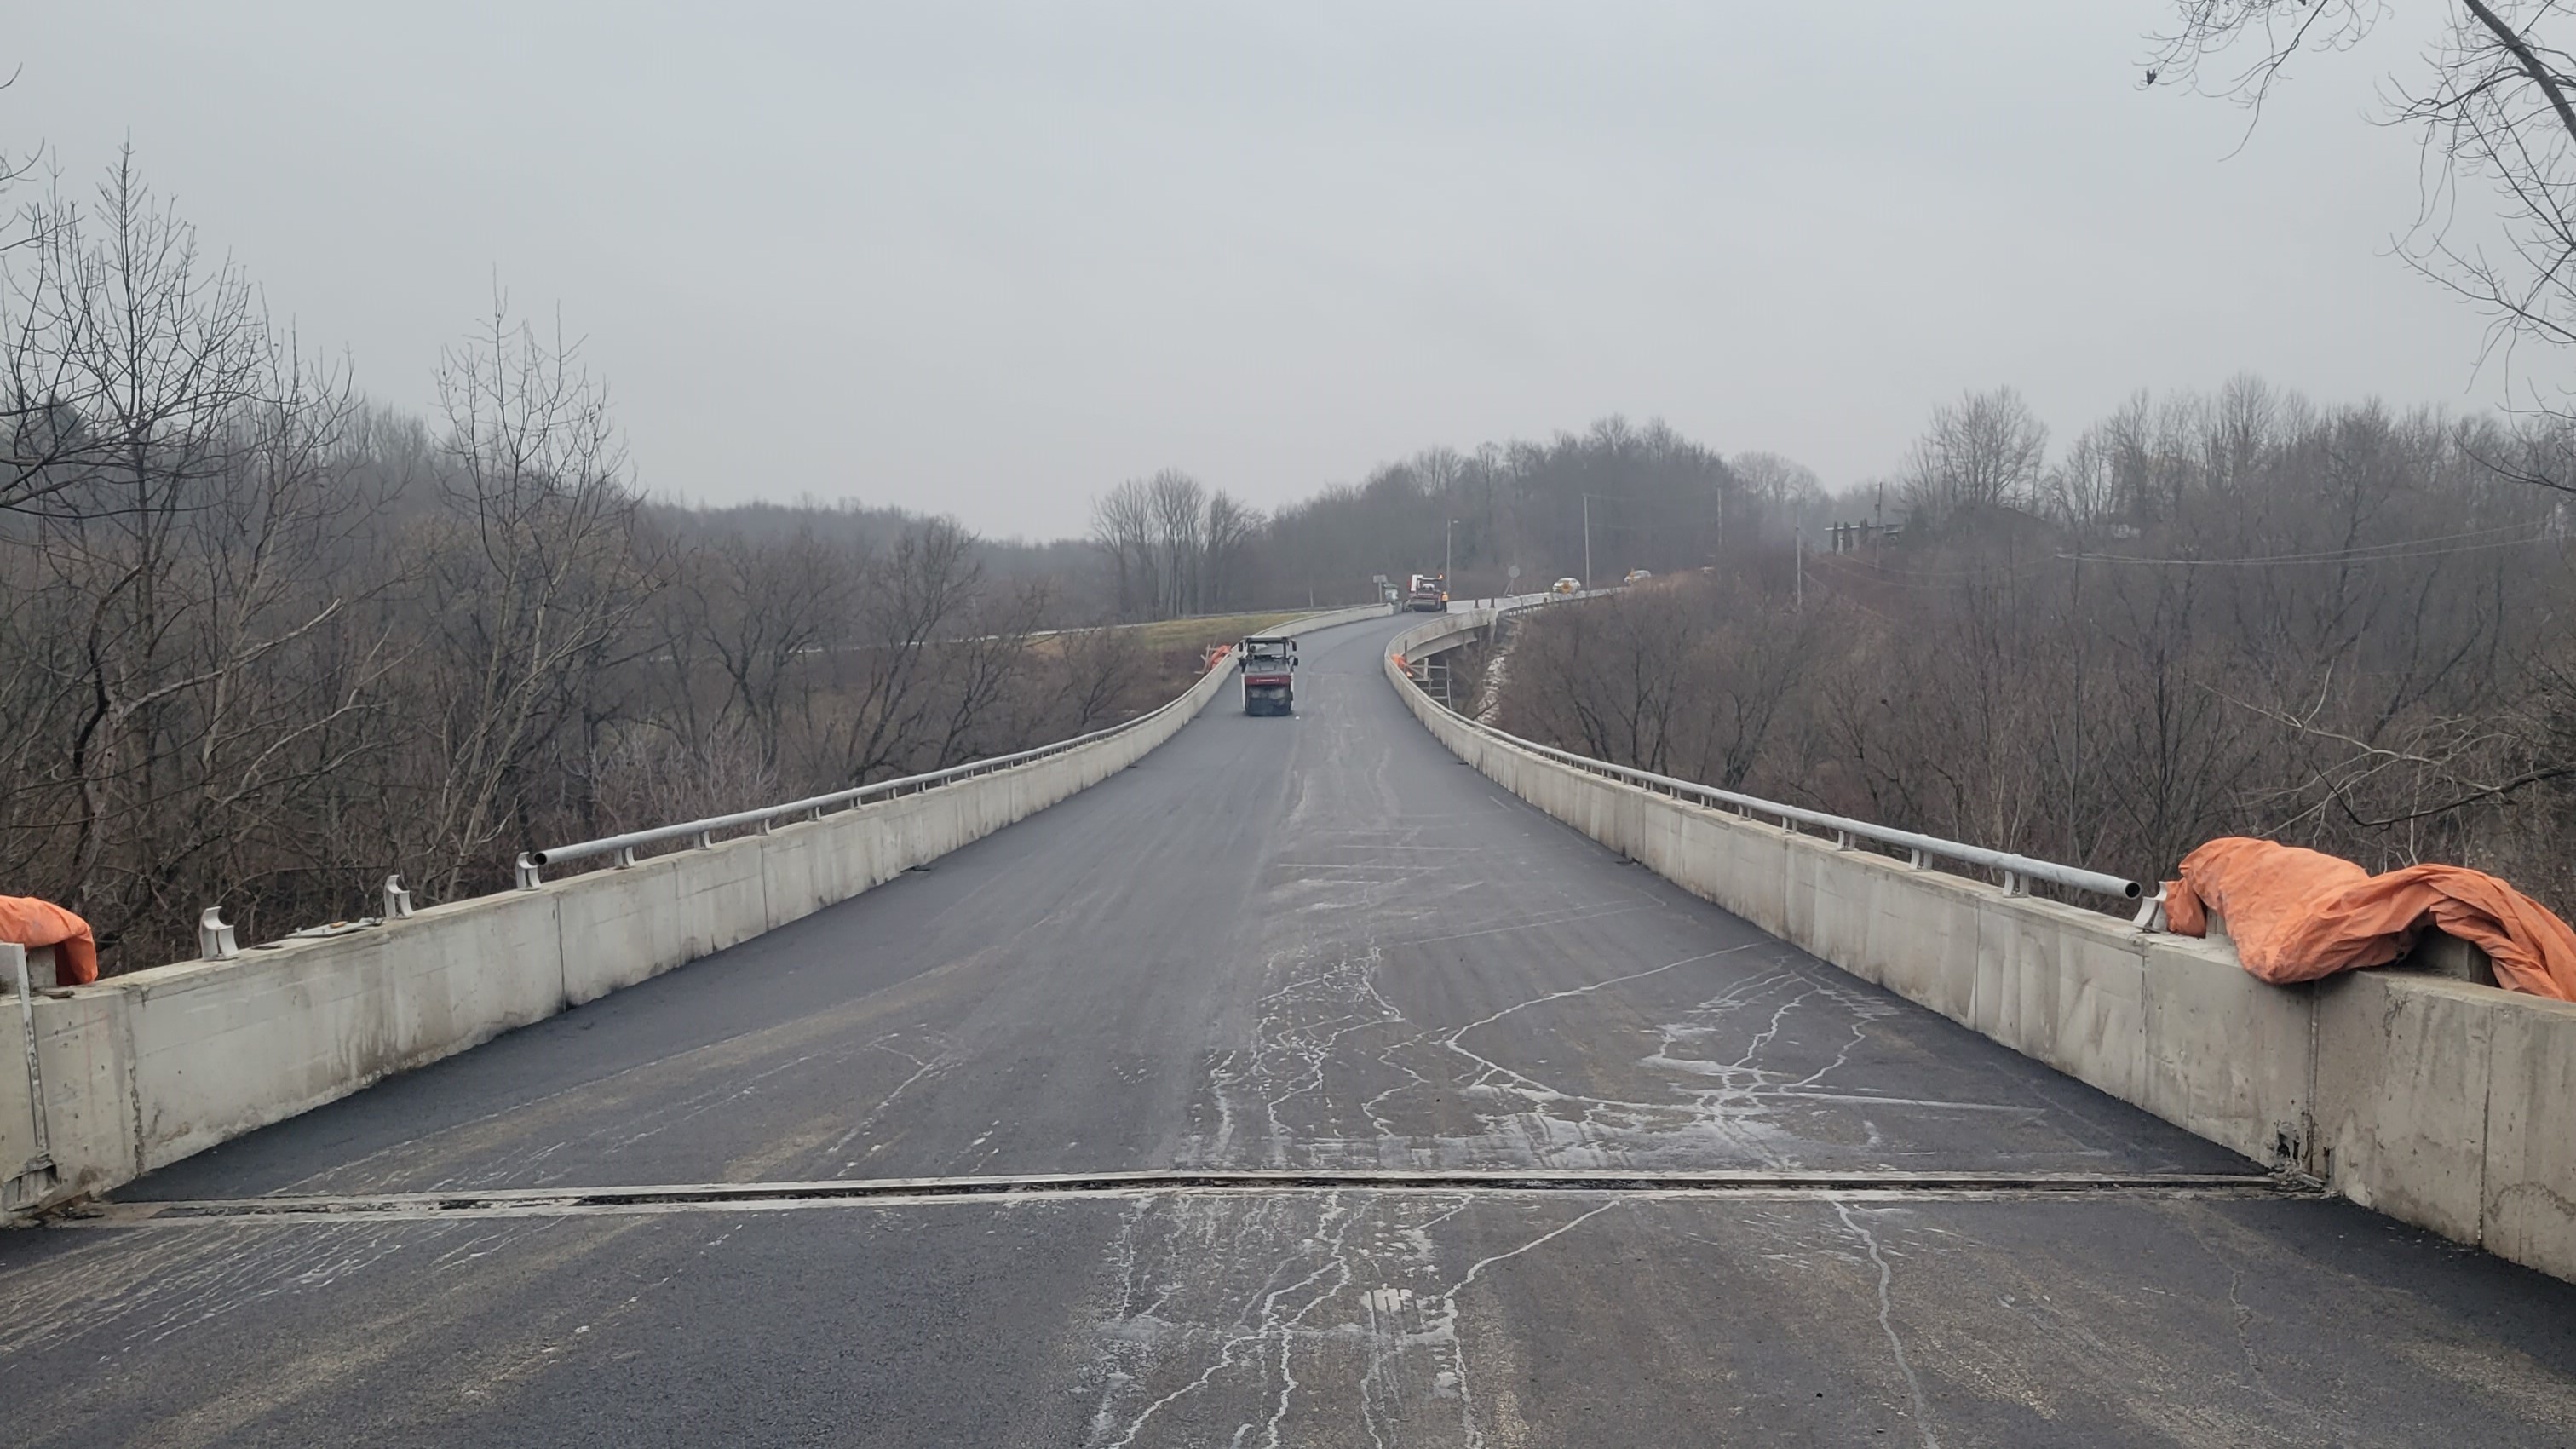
column 1587, row 540
column 1448, row 550
column 1798, row 547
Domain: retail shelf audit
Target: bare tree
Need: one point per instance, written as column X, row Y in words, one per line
column 981, row 675
column 916, row 592
column 1179, row 510
column 1100, row 668
column 261, row 644
column 1226, row 531
column 533, row 576
column 1174, row 548
column 183, row 575
column 1688, row 679
column 2494, row 105
column 1779, row 490
column 2238, row 613
column 1986, row 450
column 1122, row 526
column 45, row 438
column 762, row 610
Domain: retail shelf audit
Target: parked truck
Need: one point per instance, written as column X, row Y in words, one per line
column 1429, row 594
column 1269, row 673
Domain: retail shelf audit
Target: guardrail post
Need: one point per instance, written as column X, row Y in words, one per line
column 214, row 938
column 2151, row 913
column 703, row 840
column 397, row 900
column 524, row 871
column 2014, row 885
column 625, row 856
column 1918, row 860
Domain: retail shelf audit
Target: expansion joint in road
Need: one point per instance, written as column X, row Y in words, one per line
column 912, row 1191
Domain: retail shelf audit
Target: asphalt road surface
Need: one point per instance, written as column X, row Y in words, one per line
column 1317, row 945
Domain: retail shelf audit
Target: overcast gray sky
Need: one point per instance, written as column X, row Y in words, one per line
column 990, row 257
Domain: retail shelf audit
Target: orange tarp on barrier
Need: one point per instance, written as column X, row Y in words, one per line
column 31, row 922
column 2297, row 915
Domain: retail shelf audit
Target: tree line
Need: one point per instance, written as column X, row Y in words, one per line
column 1597, row 503
column 2239, row 612
column 263, row 643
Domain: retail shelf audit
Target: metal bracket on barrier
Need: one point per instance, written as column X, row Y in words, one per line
column 214, row 938
column 2151, row 913
column 2014, row 885
column 1918, row 859
column 43, row 1161
column 625, row 857
column 397, row 900
column 703, row 840
column 524, row 871
column 1842, row 840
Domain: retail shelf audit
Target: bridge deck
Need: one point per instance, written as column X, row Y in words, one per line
column 1316, row 946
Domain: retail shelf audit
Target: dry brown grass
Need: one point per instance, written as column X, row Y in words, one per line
column 1199, row 633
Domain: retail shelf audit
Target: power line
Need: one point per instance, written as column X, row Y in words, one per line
column 1897, row 576
column 2368, row 553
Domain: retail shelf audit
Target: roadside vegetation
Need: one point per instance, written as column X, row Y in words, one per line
column 263, row 644
column 2234, row 613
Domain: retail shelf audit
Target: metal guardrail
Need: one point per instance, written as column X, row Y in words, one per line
column 1921, row 850
column 701, row 833
column 529, row 868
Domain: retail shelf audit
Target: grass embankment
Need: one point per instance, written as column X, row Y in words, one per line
column 1174, row 649
column 1198, row 634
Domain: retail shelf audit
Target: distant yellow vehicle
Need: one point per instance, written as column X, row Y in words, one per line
column 1566, row 586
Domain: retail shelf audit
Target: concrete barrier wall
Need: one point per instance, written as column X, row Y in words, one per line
column 146, row 1068
column 2432, row 1100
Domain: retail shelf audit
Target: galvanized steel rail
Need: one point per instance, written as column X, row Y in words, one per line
column 701, row 833
column 1921, row 850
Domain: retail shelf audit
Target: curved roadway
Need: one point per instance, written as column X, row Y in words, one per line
column 1316, row 944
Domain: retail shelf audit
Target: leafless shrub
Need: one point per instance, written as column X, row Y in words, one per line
column 261, row 646
column 2237, row 613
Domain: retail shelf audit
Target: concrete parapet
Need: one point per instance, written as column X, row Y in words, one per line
column 146, row 1068
column 2438, row 1101
column 2227, row 1056
column 2527, row 1179
column 2400, row 1095
column 618, row 927
column 82, row 1050
column 217, row 1048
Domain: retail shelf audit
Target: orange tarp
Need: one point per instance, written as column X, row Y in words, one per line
column 2297, row 915
column 31, row 922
